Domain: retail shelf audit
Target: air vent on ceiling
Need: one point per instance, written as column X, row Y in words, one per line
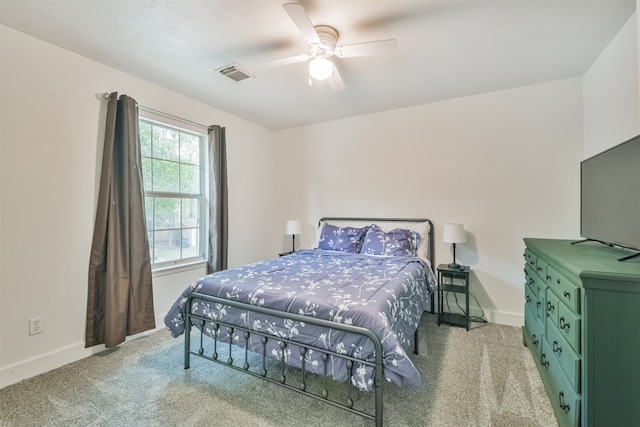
column 235, row 72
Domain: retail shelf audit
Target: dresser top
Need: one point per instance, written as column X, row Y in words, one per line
column 587, row 259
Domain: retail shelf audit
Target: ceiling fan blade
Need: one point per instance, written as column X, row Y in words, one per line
column 335, row 81
column 286, row 61
column 299, row 17
column 365, row 49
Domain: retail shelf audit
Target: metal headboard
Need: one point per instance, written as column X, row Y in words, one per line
column 431, row 243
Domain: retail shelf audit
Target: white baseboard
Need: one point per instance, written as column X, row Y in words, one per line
column 510, row 319
column 55, row 359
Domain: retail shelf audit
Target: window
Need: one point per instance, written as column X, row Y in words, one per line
column 173, row 174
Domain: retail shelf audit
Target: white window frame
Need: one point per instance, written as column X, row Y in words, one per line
column 201, row 133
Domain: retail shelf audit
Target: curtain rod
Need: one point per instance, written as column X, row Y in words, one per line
column 107, row 96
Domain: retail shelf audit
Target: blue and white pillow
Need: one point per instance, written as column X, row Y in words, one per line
column 344, row 239
column 398, row 242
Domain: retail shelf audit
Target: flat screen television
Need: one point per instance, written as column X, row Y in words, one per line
column 610, row 196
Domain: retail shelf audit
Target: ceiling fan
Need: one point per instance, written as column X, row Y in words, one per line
column 322, row 40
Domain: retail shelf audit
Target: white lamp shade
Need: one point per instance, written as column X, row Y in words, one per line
column 320, row 68
column 293, row 227
column 454, row 233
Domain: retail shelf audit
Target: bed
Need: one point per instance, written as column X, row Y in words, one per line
column 348, row 309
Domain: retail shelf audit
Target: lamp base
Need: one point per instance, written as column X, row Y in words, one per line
column 454, row 266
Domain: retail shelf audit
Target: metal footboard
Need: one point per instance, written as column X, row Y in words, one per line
column 243, row 366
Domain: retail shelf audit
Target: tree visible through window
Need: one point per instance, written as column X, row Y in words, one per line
column 173, row 176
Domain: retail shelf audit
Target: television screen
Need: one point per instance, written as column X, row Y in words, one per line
column 610, row 196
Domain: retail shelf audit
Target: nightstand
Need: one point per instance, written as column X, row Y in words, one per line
column 453, row 280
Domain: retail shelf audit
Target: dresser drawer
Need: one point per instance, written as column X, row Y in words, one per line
column 564, row 320
column 540, row 304
column 563, row 398
column 529, row 276
column 568, row 360
column 551, row 306
column 566, row 291
column 533, row 333
column 530, row 299
column 541, row 268
column 540, row 289
column 569, row 326
column 530, row 259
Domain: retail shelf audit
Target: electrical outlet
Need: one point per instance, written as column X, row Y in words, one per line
column 35, row 325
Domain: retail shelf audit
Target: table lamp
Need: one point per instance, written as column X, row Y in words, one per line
column 293, row 228
column 454, row 233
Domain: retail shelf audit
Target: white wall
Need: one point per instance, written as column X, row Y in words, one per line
column 504, row 164
column 612, row 93
column 51, row 140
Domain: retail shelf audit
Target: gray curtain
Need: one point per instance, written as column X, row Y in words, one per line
column 218, row 219
column 120, row 298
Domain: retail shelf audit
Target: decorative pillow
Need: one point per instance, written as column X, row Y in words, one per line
column 344, row 239
column 422, row 228
column 398, row 242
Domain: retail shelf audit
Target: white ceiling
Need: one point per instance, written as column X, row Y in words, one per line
column 446, row 48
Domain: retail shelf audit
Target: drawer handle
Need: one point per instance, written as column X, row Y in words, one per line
column 534, row 339
column 539, row 303
column 564, row 406
column 532, row 281
column 564, row 324
column 558, row 281
column 556, row 347
column 539, row 268
column 548, row 277
column 543, row 360
column 567, row 295
column 528, row 298
column 550, row 307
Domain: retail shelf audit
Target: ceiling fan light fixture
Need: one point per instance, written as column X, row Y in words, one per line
column 320, row 68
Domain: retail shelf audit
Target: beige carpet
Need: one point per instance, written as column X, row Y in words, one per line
column 484, row 377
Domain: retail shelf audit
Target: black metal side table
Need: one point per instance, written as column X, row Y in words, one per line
column 453, row 280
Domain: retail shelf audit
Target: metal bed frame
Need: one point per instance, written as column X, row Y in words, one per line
column 281, row 379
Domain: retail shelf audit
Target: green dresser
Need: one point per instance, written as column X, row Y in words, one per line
column 582, row 325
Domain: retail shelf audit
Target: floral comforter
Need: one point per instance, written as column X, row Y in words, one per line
column 386, row 295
